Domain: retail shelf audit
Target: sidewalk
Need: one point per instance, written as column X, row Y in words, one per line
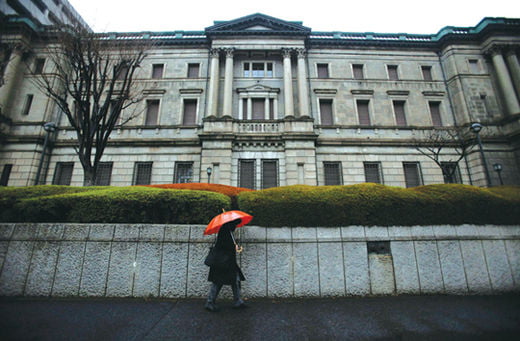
column 393, row 318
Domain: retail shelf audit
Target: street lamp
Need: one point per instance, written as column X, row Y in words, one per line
column 476, row 128
column 49, row 127
column 498, row 168
column 209, row 170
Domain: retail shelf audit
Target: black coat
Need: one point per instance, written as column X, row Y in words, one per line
column 227, row 274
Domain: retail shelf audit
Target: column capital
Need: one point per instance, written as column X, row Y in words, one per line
column 214, row 53
column 229, row 52
column 301, row 53
column 500, row 48
column 287, row 52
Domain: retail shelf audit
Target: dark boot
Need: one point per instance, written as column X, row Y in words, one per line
column 238, row 302
column 212, row 297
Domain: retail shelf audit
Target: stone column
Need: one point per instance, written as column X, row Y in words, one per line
column 249, row 114
column 303, row 88
column 10, row 77
column 287, row 82
column 228, row 84
column 213, row 83
column 241, row 109
column 514, row 67
column 505, row 82
column 266, row 108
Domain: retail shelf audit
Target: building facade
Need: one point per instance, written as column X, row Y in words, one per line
column 264, row 102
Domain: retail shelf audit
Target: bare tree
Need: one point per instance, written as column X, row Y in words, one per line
column 446, row 147
column 92, row 82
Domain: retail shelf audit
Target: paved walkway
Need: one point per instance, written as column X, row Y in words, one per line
column 380, row 318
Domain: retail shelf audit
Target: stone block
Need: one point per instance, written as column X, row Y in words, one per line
column 148, row 270
column 101, row 232
column 381, row 274
column 42, row 269
column 452, row 267
column 306, row 271
column 95, row 269
column 353, row 233
column 405, row 267
column 126, row 232
column 498, row 265
column 400, row 232
column 466, row 231
column 509, row 232
column 151, row 233
column 331, row 269
column 279, row 269
column 513, row 255
column 443, row 232
column 176, row 233
column 430, row 276
column 197, row 234
column 475, row 266
column 68, row 269
column 16, row 267
column 304, row 235
column 4, row 245
column 174, row 270
column 254, row 267
column 279, row 235
column 357, row 280
column 121, row 269
column 6, row 231
column 376, row 233
column 24, row 232
column 50, row 232
column 254, row 234
column 329, row 234
column 76, row 232
column 422, row 233
column 197, row 280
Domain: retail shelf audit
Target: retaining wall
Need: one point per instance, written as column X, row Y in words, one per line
column 121, row 260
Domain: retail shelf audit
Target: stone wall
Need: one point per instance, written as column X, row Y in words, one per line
column 120, row 260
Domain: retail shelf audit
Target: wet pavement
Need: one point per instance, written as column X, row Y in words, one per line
column 369, row 318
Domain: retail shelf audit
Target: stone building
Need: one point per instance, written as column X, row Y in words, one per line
column 264, row 102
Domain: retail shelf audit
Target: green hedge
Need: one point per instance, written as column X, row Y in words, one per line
column 373, row 204
column 110, row 205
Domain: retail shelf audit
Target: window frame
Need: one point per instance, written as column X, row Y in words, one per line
column 156, row 66
column 249, row 72
column 6, row 174
column 277, row 173
column 138, row 167
column 363, row 101
column 190, row 74
column 176, row 174
column 368, row 164
column 102, row 166
column 323, row 67
column 419, row 174
column 183, row 116
column 39, row 65
column 29, row 99
column 403, row 103
column 335, row 182
column 391, row 74
column 324, row 100
column 427, row 73
column 456, row 177
column 433, row 115
column 58, row 178
column 362, row 70
column 241, row 182
column 148, row 102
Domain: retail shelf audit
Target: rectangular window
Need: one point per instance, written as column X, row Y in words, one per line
column 357, row 69
column 123, row 72
column 373, row 172
column 323, row 70
column 412, row 174
column 269, row 173
column 326, row 112
column 157, row 71
column 258, row 69
column 246, row 174
column 189, row 116
column 427, row 72
column 104, row 174
column 193, row 70
column 332, row 172
column 363, row 112
column 435, row 112
column 27, row 105
column 39, row 64
column 183, row 172
column 451, row 173
column 142, row 173
column 400, row 117
column 152, row 112
column 392, row 72
column 258, row 107
column 63, row 173
column 6, row 173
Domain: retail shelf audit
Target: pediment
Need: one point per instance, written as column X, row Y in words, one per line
column 257, row 88
column 257, row 24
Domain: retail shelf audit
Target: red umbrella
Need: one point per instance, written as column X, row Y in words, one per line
column 216, row 223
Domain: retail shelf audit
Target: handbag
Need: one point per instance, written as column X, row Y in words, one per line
column 216, row 258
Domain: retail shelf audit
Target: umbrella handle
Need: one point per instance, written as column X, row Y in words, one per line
column 239, row 249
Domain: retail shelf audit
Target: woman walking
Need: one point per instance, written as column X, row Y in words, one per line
column 229, row 272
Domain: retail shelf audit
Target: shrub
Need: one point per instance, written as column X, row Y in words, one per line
column 124, row 205
column 373, row 204
column 231, row 191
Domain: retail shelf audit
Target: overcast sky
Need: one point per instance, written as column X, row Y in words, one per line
column 396, row 16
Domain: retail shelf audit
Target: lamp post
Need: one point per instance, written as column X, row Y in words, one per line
column 49, row 127
column 209, row 170
column 498, row 168
column 476, row 128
